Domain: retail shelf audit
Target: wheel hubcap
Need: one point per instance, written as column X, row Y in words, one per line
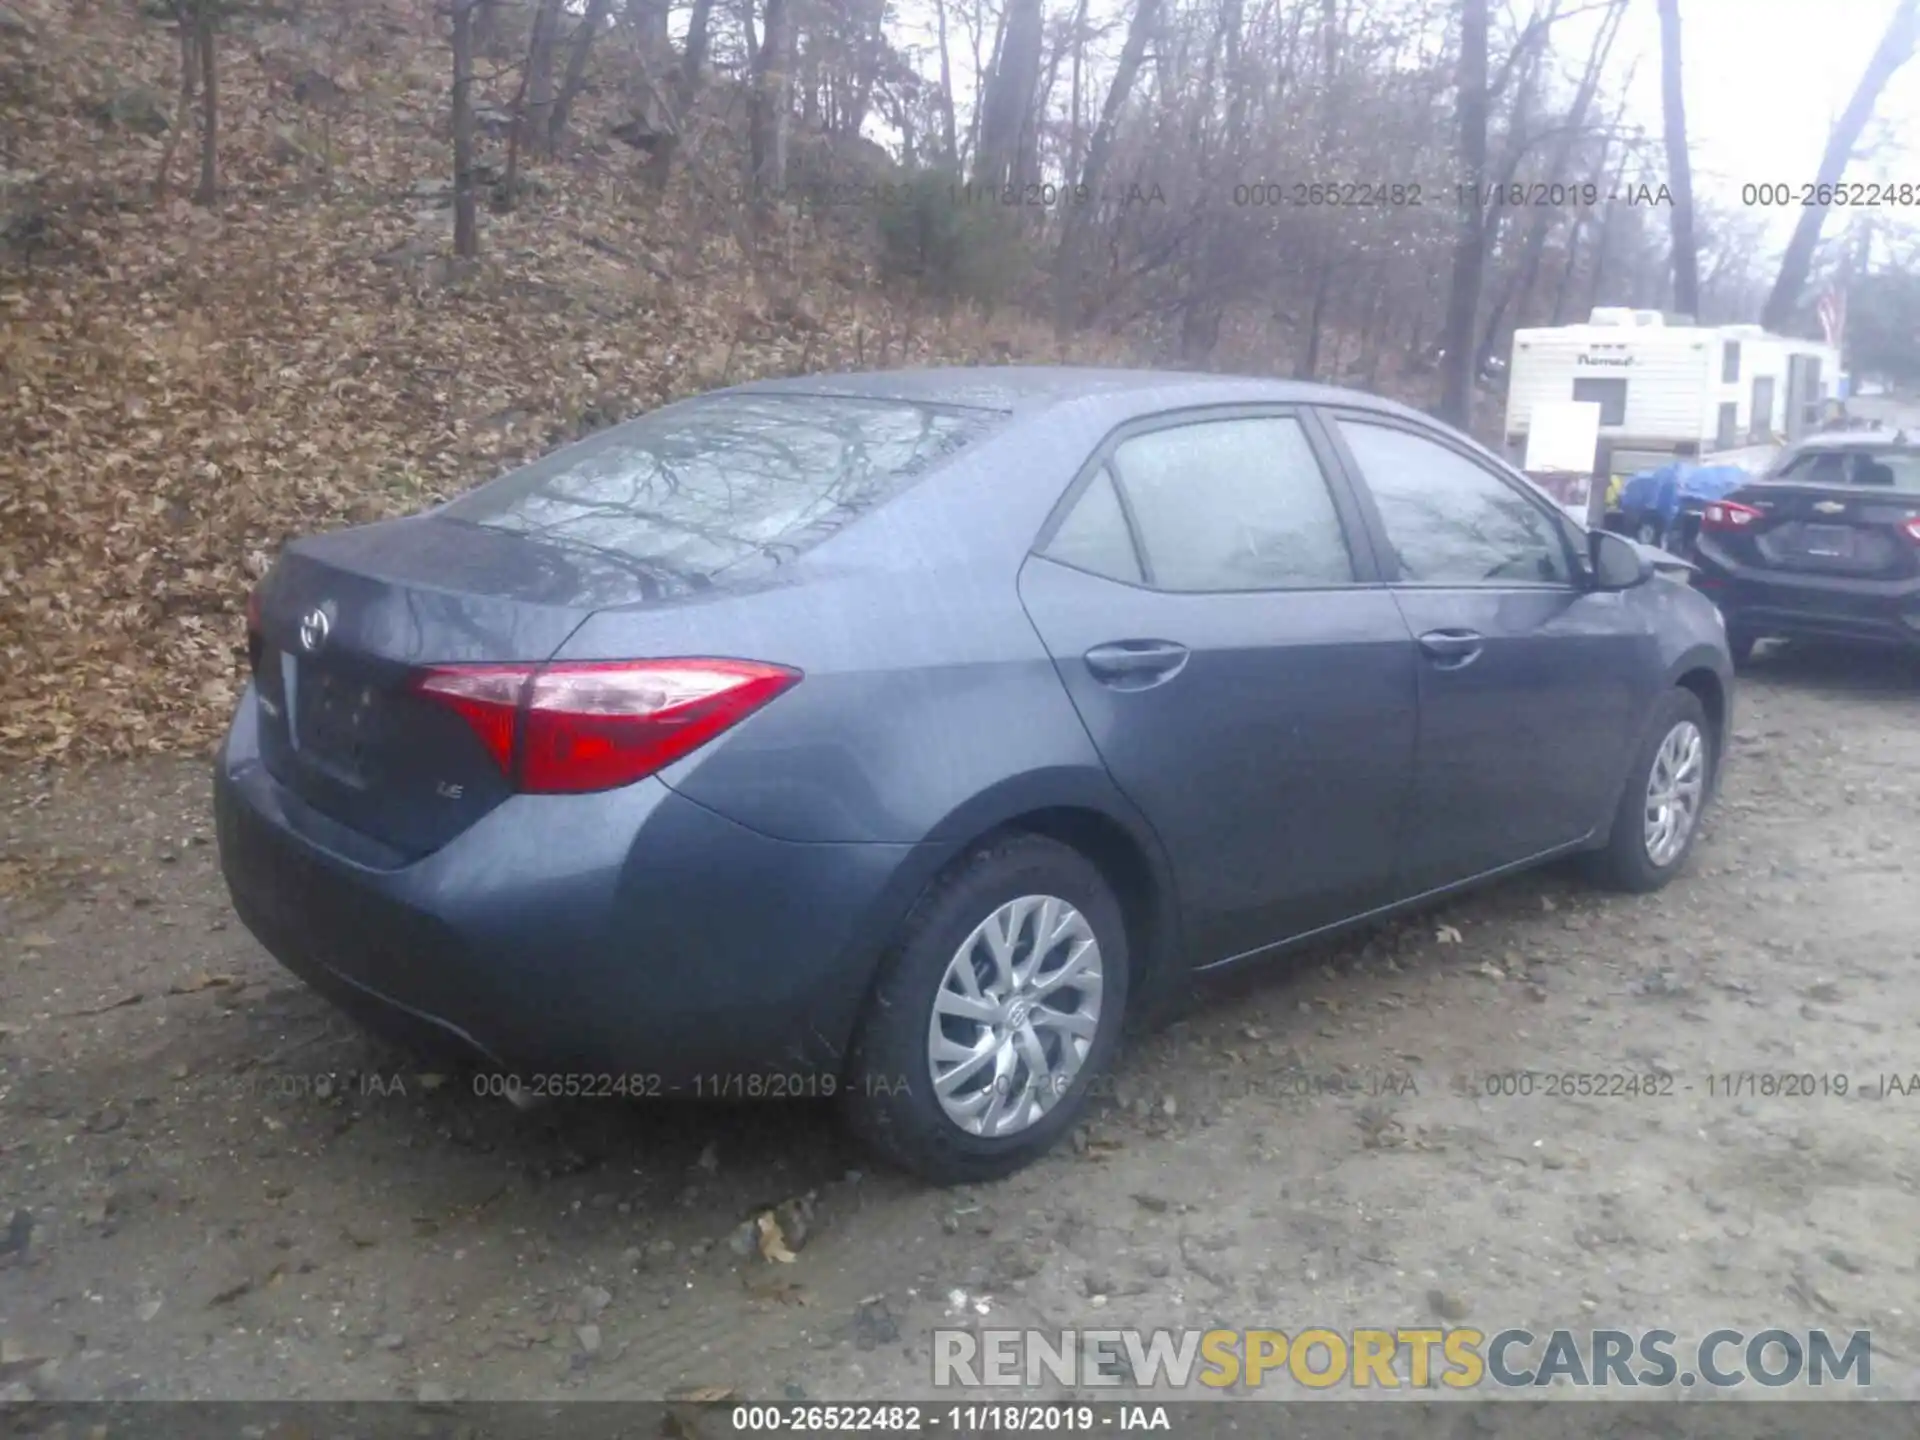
column 1674, row 789
column 1015, row 1016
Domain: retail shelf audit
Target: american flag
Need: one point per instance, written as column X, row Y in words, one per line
column 1833, row 316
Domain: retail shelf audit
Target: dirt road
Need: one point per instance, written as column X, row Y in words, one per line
column 232, row 1194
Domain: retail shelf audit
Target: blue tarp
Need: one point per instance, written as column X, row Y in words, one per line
column 1660, row 493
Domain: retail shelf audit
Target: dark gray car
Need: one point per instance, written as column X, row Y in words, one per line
column 897, row 737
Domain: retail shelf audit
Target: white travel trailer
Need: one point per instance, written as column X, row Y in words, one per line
column 1669, row 390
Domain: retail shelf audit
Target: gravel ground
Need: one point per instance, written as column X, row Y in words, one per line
column 231, row 1194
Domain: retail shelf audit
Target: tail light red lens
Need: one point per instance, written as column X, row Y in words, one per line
column 598, row 725
column 1911, row 529
column 1728, row 515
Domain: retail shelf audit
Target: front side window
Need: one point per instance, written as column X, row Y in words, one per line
column 1233, row 505
column 1450, row 520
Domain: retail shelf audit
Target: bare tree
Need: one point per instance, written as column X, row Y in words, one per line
column 767, row 123
column 1673, row 101
column 1006, row 104
column 693, row 63
column 949, row 131
column 189, row 40
column 1071, row 259
column 591, row 24
column 1523, row 277
column 466, row 227
column 540, row 93
column 1893, row 51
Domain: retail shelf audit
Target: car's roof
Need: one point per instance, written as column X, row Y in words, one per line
column 1027, row 389
column 1855, row 440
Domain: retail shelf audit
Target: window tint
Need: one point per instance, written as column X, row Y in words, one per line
column 1730, row 362
column 1233, row 505
column 1896, row 470
column 694, row 489
column 1610, row 395
column 1450, row 520
column 1095, row 537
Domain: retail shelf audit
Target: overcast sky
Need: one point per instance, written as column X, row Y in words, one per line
column 1765, row 80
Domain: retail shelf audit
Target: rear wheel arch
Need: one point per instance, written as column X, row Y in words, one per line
column 1082, row 810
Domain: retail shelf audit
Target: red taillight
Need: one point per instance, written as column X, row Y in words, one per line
column 1910, row 527
column 601, row 724
column 487, row 697
column 1728, row 515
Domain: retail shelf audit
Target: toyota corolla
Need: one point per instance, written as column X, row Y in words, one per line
column 903, row 737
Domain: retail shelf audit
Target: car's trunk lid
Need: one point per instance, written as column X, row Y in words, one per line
column 349, row 620
column 1837, row 530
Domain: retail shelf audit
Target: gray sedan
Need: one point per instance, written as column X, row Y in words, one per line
column 902, row 737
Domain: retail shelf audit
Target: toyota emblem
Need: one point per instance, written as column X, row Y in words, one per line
column 314, row 627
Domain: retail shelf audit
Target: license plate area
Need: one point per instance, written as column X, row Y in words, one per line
column 1826, row 542
column 336, row 715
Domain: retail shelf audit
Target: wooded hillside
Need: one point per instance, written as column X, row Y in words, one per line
column 275, row 265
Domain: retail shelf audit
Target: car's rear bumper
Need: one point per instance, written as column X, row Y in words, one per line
column 1814, row 607
column 632, row 932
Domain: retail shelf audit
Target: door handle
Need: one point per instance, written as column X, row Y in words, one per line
column 1451, row 649
column 1136, row 664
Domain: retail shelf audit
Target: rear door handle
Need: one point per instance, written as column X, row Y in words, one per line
column 1136, row 664
column 1450, row 649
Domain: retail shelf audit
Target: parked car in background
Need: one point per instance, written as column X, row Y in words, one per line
column 1825, row 545
column 900, row 736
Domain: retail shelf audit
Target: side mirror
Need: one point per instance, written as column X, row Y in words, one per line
column 1618, row 563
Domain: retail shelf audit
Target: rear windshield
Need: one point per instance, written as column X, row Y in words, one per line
column 1896, row 470
column 725, row 483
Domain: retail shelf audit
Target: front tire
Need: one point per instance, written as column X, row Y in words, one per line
column 998, row 1010
column 1665, row 798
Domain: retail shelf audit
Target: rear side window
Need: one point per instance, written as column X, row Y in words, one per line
column 713, row 483
column 1095, row 536
column 1233, row 505
column 1897, row 471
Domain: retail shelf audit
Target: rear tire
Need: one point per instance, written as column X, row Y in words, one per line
column 1676, row 758
column 943, row 956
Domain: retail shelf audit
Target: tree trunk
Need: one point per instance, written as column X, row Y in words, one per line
column 1673, row 103
column 466, row 225
column 590, row 26
column 950, row 130
column 1469, row 250
column 767, row 120
column 649, row 21
column 183, row 113
column 539, row 78
column 1073, row 239
column 1894, row 50
column 486, row 25
column 1005, row 107
column 693, row 64
column 1518, row 293
column 209, row 189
